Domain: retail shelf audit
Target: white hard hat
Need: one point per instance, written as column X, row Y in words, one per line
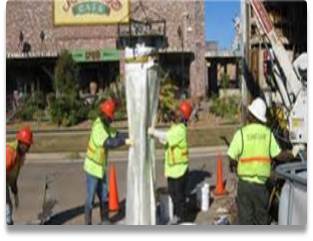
column 258, row 109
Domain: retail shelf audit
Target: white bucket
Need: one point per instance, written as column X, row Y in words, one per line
column 166, row 208
column 203, row 197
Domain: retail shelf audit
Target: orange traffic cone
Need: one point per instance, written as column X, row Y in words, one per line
column 219, row 189
column 113, row 192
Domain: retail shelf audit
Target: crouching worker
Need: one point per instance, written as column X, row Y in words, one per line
column 176, row 158
column 15, row 157
column 103, row 137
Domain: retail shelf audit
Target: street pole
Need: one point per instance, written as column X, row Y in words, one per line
column 183, row 38
column 244, row 31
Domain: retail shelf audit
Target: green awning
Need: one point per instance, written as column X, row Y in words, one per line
column 97, row 55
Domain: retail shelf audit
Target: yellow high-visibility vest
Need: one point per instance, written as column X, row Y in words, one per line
column 176, row 151
column 255, row 159
column 96, row 156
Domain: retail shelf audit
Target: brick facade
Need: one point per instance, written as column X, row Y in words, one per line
column 33, row 16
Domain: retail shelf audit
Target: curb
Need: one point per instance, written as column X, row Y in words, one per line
column 116, row 156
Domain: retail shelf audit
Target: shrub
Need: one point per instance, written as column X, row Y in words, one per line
column 26, row 113
column 167, row 100
column 66, row 108
column 65, row 113
column 32, row 108
column 93, row 112
column 115, row 90
column 66, row 75
column 226, row 107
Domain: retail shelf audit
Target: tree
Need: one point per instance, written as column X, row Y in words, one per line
column 65, row 76
column 66, row 108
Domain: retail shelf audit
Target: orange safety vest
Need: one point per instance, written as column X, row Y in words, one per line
column 13, row 162
column 11, row 158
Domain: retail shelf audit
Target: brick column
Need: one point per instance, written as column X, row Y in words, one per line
column 198, row 72
column 122, row 65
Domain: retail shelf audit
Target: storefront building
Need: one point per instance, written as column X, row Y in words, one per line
column 37, row 31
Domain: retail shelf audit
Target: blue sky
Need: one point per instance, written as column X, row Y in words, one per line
column 219, row 21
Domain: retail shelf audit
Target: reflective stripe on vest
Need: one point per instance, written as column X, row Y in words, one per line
column 96, row 157
column 255, row 157
column 176, row 155
column 96, row 154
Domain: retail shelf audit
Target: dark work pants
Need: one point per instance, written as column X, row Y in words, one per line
column 252, row 200
column 177, row 191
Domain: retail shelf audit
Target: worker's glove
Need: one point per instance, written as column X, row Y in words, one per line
column 16, row 200
column 151, row 131
column 295, row 150
column 129, row 142
column 232, row 166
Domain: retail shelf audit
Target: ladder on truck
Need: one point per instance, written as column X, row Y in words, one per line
column 290, row 86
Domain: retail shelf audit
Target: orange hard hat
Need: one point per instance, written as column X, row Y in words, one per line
column 25, row 135
column 108, row 107
column 186, row 109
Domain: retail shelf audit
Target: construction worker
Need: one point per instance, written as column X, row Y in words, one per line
column 250, row 152
column 176, row 158
column 102, row 138
column 15, row 157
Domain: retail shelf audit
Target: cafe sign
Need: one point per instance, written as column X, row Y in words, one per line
column 101, row 55
column 79, row 12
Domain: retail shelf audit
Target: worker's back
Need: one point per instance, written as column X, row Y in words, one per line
column 255, row 158
column 256, row 140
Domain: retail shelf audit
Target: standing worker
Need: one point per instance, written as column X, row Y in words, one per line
column 102, row 138
column 251, row 151
column 15, row 157
column 176, row 158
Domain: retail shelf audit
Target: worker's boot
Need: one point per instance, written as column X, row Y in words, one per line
column 88, row 217
column 181, row 216
column 9, row 214
column 173, row 221
column 104, row 214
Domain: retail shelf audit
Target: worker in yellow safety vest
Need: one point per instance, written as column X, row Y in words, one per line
column 103, row 137
column 15, row 157
column 251, row 152
column 176, row 158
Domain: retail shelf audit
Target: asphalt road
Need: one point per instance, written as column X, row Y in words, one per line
column 66, row 188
